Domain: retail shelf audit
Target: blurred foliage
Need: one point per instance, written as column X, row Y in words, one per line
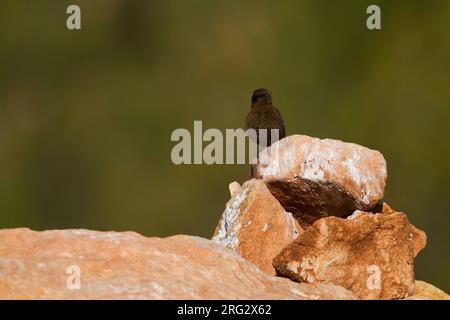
column 86, row 116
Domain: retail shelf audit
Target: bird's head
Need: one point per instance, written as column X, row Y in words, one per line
column 261, row 97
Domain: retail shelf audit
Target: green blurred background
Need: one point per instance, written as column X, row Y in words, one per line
column 86, row 116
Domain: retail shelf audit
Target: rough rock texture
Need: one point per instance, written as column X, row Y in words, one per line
column 256, row 226
column 370, row 254
column 419, row 240
column 419, row 237
column 426, row 291
column 126, row 265
column 313, row 178
column 385, row 208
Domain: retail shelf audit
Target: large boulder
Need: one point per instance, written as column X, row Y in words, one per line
column 314, row 178
column 82, row 264
column 255, row 225
column 370, row 254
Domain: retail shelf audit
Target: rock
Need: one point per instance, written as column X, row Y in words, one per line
column 426, row 291
column 419, row 237
column 369, row 254
column 314, row 178
column 385, row 208
column 419, row 240
column 234, row 188
column 256, row 226
column 126, row 265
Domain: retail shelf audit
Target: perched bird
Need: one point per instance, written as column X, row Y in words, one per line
column 264, row 115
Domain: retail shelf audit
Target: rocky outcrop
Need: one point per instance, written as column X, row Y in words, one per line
column 340, row 242
column 255, row 225
column 314, row 178
column 82, row 264
column 350, row 237
column 370, row 254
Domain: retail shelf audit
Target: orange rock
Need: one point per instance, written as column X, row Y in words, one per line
column 126, row 265
column 256, row 226
column 419, row 240
column 419, row 237
column 386, row 208
column 315, row 178
column 370, row 254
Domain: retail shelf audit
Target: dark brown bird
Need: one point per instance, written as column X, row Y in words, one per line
column 264, row 115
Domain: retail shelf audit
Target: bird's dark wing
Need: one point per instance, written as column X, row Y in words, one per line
column 281, row 123
column 252, row 121
column 266, row 119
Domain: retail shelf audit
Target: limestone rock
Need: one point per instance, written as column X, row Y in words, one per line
column 369, row 254
column 256, row 226
column 234, row 188
column 426, row 291
column 126, row 265
column 313, row 178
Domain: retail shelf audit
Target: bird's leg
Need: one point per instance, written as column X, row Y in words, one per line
column 250, row 176
column 253, row 168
